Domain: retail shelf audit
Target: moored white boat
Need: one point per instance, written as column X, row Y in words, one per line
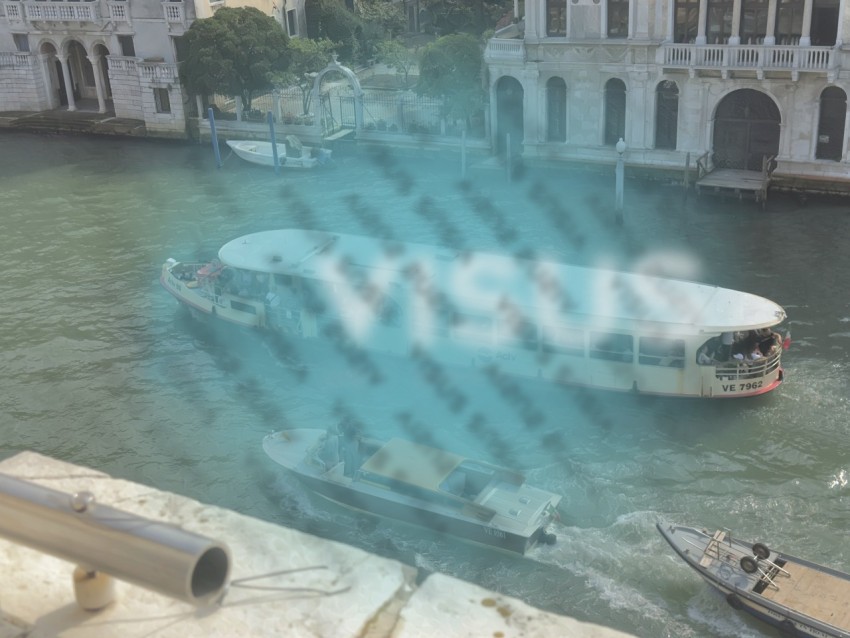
column 420, row 485
column 538, row 319
column 262, row 153
column 800, row 597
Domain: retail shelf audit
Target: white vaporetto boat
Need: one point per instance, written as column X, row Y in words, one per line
column 548, row 321
column 262, row 153
column 800, row 597
column 420, row 485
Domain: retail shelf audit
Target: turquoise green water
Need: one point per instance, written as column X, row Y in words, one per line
column 101, row 369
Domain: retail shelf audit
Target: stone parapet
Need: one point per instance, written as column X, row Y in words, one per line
column 313, row 587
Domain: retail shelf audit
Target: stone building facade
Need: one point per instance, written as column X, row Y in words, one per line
column 727, row 81
column 109, row 55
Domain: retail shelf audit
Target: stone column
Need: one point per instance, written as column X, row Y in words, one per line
column 603, row 19
column 703, row 16
column 805, row 38
column 94, row 60
column 735, row 37
column 69, row 88
column 529, row 79
column 770, row 36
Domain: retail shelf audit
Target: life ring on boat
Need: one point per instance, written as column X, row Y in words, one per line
column 749, row 565
column 761, row 550
column 734, row 601
column 724, row 572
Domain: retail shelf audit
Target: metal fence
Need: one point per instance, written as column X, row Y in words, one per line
column 391, row 111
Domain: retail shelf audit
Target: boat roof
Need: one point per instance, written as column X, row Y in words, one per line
column 488, row 284
column 413, row 463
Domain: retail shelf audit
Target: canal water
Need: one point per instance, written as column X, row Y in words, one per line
column 100, row 367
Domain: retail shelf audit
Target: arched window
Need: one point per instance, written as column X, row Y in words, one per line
column 556, row 110
column 615, row 111
column 833, row 109
column 666, row 114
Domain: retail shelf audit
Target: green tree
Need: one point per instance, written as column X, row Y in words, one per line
column 235, row 52
column 450, row 68
column 465, row 16
column 397, row 56
column 387, row 16
column 331, row 20
column 307, row 57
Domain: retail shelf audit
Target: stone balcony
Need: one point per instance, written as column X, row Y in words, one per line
column 292, row 584
column 756, row 60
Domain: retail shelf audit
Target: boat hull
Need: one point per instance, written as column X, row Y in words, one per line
column 757, row 593
column 321, row 305
column 262, row 154
column 290, row 448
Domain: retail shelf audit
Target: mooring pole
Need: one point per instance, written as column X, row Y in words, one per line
column 214, row 136
column 508, row 157
column 463, row 152
column 274, row 144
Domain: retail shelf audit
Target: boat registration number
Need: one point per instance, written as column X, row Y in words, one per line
column 741, row 387
column 490, row 531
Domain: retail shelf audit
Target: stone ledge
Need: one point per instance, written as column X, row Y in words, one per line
column 349, row 593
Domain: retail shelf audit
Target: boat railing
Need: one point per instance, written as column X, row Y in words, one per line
column 737, row 369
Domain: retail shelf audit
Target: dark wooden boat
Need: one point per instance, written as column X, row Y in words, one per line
column 800, row 597
column 418, row 484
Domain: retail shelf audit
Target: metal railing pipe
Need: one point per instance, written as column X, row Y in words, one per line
column 101, row 539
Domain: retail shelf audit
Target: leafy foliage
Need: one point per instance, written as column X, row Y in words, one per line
column 307, row 58
column 387, row 16
column 397, row 56
column 329, row 19
column 465, row 16
column 450, row 68
column 235, row 52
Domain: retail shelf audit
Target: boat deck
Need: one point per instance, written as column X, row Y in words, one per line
column 821, row 596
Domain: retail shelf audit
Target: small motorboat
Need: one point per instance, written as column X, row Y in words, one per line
column 262, row 153
column 421, row 485
column 800, row 597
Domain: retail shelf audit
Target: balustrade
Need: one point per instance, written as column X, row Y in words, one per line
column 759, row 57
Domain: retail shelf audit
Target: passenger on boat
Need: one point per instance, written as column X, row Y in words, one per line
column 350, row 443
column 329, row 451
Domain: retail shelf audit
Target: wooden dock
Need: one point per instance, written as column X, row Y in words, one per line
column 737, row 182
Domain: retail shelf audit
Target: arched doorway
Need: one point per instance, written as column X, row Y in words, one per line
column 746, row 130
column 54, row 83
column 102, row 52
column 833, row 110
column 666, row 114
column 615, row 111
column 556, row 110
column 509, row 115
column 348, row 112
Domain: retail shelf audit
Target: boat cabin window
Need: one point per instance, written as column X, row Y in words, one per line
column 611, row 346
column 243, row 307
column 468, row 480
column 563, row 340
column 284, row 280
column 472, row 327
column 661, row 351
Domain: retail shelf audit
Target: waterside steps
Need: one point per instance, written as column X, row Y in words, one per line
column 738, row 182
column 342, row 137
